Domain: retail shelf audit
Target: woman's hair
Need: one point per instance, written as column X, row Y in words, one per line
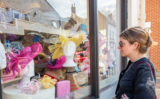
column 138, row 34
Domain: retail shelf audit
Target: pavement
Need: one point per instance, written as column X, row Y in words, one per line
column 158, row 85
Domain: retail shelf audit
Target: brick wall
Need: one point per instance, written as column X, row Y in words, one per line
column 153, row 16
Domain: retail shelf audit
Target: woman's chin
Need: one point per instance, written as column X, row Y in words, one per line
column 123, row 55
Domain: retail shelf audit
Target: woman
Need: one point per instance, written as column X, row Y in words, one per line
column 137, row 80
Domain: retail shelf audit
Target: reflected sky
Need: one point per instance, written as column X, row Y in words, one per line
column 63, row 7
column 106, row 6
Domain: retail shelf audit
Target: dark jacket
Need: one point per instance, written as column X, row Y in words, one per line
column 137, row 81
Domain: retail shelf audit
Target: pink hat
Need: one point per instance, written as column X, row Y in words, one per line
column 58, row 64
column 19, row 62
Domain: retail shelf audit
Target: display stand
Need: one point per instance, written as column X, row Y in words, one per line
column 11, row 92
column 69, row 51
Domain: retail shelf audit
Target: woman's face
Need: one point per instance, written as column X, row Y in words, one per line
column 125, row 47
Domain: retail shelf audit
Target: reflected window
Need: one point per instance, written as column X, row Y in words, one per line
column 107, row 40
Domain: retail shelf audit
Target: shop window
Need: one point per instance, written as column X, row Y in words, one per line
column 107, row 39
column 46, row 44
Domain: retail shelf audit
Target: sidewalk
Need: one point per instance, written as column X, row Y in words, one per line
column 158, row 85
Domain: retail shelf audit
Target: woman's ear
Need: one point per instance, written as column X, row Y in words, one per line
column 136, row 45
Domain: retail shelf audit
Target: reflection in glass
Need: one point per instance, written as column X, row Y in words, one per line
column 107, row 38
column 50, row 25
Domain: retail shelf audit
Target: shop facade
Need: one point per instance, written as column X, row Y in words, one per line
column 60, row 49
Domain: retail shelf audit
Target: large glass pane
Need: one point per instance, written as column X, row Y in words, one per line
column 107, row 39
column 46, row 48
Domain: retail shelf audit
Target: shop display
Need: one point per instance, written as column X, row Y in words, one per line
column 41, row 58
column 71, row 75
column 58, row 74
column 16, row 46
column 66, row 48
column 69, row 51
column 85, row 66
column 61, row 68
column 2, row 62
column 2, row 56
column 47, row 82
column 57, row 63
column 58, row 48
column 16, row 63
column 32, row 45
column 63, row 88
column 70, row 24
column 26, row 74
column 83, row 27
column 82, row 78
column 11, row 92
column 32, row 87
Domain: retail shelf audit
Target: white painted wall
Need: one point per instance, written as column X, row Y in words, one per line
column 136, row 13
column 133, row 12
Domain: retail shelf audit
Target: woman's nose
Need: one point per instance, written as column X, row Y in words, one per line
column 118, row 47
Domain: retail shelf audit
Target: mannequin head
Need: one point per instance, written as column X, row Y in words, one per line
column 69, row 50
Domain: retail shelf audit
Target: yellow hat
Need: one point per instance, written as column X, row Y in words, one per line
column 57, row 49
column 47, row 81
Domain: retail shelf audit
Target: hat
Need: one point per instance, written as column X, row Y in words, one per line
column 57, row 49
